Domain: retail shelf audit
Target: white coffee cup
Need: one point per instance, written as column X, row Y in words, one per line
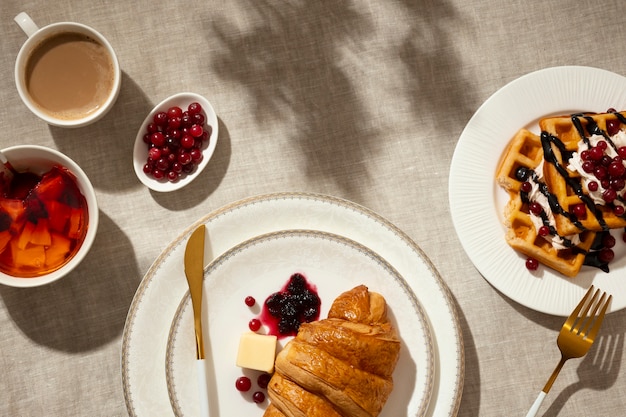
column 38, row 35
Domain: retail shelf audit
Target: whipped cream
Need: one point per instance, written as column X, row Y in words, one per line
column 576, row 164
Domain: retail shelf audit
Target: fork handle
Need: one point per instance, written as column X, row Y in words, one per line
column 533, row 410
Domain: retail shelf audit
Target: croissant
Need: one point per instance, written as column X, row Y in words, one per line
column 340, row 366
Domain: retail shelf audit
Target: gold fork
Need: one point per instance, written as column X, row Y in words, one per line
column 576, row 335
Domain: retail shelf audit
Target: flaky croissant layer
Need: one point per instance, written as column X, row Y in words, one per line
column 340, row 366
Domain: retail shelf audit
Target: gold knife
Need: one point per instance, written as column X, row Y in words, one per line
column 194, row 270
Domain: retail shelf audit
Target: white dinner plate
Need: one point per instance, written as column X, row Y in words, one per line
column 260, row 267
column 144, row 341
column 477, row 203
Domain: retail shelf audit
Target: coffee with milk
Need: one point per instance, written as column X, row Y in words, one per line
column 69, row 75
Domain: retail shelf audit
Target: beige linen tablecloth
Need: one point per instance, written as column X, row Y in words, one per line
column 363, row 100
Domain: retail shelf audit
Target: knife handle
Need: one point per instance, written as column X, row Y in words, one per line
column 203, row 389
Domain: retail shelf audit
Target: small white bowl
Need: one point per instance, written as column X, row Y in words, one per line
column 39, row 160
column 140, row 151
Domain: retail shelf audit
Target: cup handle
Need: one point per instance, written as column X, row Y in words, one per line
column 26, row 23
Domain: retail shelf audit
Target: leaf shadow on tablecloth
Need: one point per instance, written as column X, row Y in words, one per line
column 437, row 88
column 88, row 307
column 295, row 71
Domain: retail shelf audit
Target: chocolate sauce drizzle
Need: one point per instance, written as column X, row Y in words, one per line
column 552, row 202
column 576, row 186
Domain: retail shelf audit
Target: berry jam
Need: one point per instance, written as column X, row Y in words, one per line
column 297, row 302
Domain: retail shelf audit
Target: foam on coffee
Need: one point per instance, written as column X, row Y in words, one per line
column 69, row 75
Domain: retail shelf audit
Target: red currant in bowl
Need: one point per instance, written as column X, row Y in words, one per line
column 164, row 129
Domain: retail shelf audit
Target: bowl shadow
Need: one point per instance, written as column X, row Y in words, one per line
column 88, row 307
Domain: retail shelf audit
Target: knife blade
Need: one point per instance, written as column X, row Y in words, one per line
column 194, row 271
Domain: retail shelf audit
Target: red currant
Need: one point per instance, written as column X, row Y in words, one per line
column 194, row 108
column 199, row 118
column 526, row 187
column 174, row 112
column 160, row 118
column 243, row 384
column 196, row 155
column 263, row 380
column 584, row 155
column 187, row 141
column 250, row 301
column 258, row 397
column 152, row 127
column 609, row 195
column 600, row 172
column 579, row 210
column 162, row 164
column 544, row 231
column 172, row 176
column 616, row 169
column 254, row 325
column 618, row 210
column 177, row 167
column 612, row 126
column 184, row 158
column 186, row 120
column 174, row 122
column 588, row 167
column 595, row 153
column 602, row 145
column 606, row 255
column 592, row 186
column 535, row 208
column 532, row 264
column 157, row 139
column 154, row 153
column 617, row 184
column 196, row 131
column 608, row 241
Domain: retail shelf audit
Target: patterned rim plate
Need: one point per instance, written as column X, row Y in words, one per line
column 261, row 266
column 145, row 337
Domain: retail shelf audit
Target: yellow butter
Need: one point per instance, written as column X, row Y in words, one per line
column 257, row 351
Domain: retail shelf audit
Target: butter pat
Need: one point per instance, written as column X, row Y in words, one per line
column 257, row 351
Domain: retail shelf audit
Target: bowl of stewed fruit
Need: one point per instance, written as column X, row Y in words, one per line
column 175, row 142
column 48, row 215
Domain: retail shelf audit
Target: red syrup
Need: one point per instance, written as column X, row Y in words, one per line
column 43, row 221
column 297, row 302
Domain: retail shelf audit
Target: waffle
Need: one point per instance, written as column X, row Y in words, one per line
column 563, row 133
column 522, row 236
column 525, row 152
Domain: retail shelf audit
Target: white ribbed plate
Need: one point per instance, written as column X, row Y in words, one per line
column 261, row 266
column 476, row 202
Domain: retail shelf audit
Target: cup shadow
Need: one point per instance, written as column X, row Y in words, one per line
column 104, row 149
